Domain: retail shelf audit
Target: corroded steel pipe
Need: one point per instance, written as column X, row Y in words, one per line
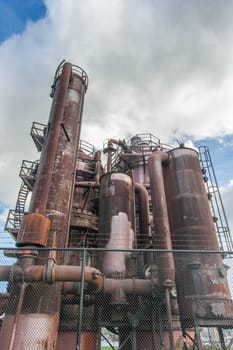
column 130, row 286
column 67, row 273
column 51, row 274
column 98, row 167
column 143, row 207
column 161, row 238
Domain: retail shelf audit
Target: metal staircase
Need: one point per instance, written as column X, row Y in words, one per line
column 38, row 134
column 219, row 215
column 15, row 216
column 27, row 173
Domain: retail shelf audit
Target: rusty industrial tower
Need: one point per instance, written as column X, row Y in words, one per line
column 122, row 253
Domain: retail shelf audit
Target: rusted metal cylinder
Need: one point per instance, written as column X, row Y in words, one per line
column 201, row 278
column 34, row 230
column 191, row 219
column 44, row 174
column 115, row 222
column 61, row 190
column 33, row 331
column 161, row 238
column 52, row 197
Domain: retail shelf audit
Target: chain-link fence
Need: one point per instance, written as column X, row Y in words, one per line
column 115, row 299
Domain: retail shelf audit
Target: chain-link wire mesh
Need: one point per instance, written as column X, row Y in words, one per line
column 77, row 306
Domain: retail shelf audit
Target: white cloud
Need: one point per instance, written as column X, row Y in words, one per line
column 159, row 67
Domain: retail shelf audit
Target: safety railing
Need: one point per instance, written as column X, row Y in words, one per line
column 76, row 70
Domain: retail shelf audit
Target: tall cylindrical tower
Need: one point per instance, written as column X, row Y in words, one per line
column 203, row 292
column 33, row 313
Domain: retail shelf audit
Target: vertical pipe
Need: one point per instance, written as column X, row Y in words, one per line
column 19, row 308
column 98, row 167
column 143, row 204
column 159, row 313
column 221, row 337
column 198, row 337
column 109, row 162
column 161, row 239
column 154, row 331
column 133, row 339
column 169, row 319
column 83, row 264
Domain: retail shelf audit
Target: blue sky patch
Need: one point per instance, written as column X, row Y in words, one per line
column 14, row 15
column 221, row 150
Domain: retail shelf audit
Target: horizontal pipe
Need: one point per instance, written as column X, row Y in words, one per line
column 93, row 184
column 135, row 250
column 51, row 273
column 131, row 286
column 67, row 274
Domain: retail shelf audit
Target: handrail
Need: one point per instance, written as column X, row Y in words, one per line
column 75, row 69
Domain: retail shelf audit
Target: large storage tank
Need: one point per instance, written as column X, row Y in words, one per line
column 201, row 281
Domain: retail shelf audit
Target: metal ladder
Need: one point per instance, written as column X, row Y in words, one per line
column 218, row 211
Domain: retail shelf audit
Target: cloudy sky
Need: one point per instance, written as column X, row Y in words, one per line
column 161, row 67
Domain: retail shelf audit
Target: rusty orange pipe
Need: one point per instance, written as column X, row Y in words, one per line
column 51, row 273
